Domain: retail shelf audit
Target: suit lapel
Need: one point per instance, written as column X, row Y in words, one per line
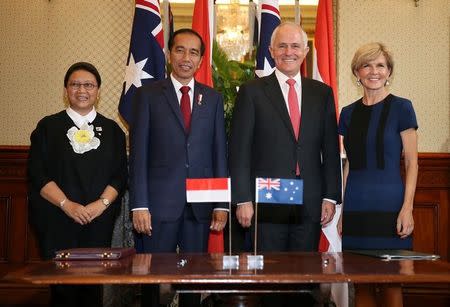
column 172, row 100
column 273, row 92
column 199, row 101
column 306, row 110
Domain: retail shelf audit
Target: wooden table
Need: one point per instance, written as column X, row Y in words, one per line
column 203, row 272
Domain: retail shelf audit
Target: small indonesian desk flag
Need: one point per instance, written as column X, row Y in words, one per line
column 207, row 190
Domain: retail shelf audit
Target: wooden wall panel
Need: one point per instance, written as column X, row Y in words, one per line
column 432, row 204
column 426, row 230
column 5, row 209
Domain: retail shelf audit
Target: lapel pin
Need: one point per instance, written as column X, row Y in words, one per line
column 98, row 129
column 199, row 99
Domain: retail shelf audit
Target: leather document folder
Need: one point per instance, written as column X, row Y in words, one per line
column 396, row 254
column 94, row 253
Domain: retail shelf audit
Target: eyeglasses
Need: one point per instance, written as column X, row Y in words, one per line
column 87, row 86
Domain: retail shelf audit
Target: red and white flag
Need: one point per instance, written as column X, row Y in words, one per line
column 203, row 24
column 324, row 69
column 324, row 64
column 209, row 190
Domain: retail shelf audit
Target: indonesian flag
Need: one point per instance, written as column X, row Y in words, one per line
column 203, row 24
column 324, row 65
column 208, row 190
column 324, row 69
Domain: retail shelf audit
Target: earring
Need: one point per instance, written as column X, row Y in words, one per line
column 387, row 83
column 358, row 82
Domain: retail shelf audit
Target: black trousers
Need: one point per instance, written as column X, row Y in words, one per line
column 186, row 233
column 287, row 237
column 76, row 295
column 303, row 235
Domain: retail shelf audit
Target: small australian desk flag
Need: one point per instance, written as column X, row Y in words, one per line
column 279, row 191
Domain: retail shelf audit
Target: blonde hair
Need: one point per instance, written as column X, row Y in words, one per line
column 370, row 52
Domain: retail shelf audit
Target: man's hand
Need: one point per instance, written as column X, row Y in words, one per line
column 142, row 221
column 328, row 210
column 77, row 212
column 244, row 213
column 219, row 220
column 339, row 225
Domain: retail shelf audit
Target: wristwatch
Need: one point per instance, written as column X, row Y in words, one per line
column 105, row 201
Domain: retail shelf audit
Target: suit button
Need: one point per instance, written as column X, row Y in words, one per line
column 188, row 144
column 187, row 165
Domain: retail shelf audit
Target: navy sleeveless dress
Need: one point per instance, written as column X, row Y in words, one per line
column 374, row 190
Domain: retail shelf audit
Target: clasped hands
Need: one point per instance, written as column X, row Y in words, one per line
column 83, row 214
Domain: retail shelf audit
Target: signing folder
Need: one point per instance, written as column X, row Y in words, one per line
column 396, row 254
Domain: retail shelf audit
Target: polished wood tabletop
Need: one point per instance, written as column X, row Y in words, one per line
column 279, row 268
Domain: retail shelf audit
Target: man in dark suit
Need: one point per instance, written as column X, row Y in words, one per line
column 169, row 143
column 266, row 141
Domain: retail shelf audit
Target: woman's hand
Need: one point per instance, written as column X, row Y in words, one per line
column 405, row 223
column 95, row 209
column 77, row 212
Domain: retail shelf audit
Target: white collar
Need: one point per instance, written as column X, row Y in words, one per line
column 177, row 85
column 79, row 119
column 282, row 78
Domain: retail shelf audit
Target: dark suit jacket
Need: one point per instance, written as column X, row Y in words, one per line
column 263, row 145
column 162, row 156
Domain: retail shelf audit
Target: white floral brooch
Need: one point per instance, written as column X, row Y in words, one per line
column 83, row 139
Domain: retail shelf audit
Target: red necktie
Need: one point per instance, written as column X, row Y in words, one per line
column 294, row 112
column 185, row 105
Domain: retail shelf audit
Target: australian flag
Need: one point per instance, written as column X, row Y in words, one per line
column 279, row 191
column 269, row 20
column 146, row 62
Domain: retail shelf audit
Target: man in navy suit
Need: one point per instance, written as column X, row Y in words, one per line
column 265, row 143
column 168, row 145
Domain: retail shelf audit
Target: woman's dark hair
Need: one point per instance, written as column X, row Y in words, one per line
column 187, row 31
column 83, row 66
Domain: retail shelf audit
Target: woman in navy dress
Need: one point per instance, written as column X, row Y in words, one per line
column 77, row 171
column 377, row 129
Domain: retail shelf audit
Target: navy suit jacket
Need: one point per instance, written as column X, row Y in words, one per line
column 263, row 145
column 162, row 155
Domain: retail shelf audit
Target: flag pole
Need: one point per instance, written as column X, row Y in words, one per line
column 256, row 217
column 229, row 217
column 256, row 226
column 166, row 27
column 297, row 12
column 229, row 228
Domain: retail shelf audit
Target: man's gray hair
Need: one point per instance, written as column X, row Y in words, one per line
column 293, row 24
